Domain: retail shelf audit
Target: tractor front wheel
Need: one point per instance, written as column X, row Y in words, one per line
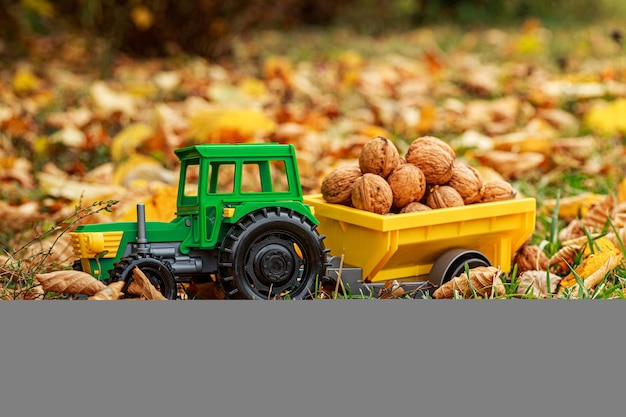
column 159, row 274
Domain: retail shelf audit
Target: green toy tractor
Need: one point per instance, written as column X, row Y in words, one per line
column 240, row 221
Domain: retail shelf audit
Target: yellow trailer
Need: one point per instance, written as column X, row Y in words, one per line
column 429, row 246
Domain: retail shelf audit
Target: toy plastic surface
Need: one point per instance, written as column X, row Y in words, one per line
column 242, row 221
column 432, row 244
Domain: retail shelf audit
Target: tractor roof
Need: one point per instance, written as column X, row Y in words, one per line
column 262, row 150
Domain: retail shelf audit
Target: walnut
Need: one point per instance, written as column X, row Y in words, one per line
column 467, row 181
column 407, row 183
column 379, row 156
column 414, row 207
column 497, row 190
column 372, row 193
column 337, row 185
column 434, row 157
column 442, row 196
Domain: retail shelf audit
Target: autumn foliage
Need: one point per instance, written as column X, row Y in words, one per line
column 508, row 107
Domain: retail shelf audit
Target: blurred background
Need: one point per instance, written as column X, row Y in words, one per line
column 207, row 27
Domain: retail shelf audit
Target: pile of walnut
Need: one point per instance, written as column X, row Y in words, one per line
column 428, row 177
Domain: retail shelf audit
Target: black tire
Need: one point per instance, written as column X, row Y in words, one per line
column 77, row 265
column 159, row 273
column 452, row 264
column 259, row 257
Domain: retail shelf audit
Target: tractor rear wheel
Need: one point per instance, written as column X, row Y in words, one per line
column 273, row 253
column 159, row 273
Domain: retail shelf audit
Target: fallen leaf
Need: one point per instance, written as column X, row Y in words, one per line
column 571, row 207
column 110, row 292
column 25, row 81
column 142, row 287
column 221, row 125
column 126, row 142
column 600, row 257
column 109, row 101
column 69, row 282
column 57, row 183
column 511, row 165
column 607, row 118
column 538, row 283
column 485, row 281
column 391, row 289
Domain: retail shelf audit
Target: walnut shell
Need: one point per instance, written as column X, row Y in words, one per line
column 407, row 183
column 443, row 196
column 467, row 181
column 434, row 157
column 372, row 193
column 379, row 156
column 497, row 190
column 337, row 185
column 414, row 207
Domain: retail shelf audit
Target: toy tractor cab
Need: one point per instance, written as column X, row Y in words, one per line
column 240, row 221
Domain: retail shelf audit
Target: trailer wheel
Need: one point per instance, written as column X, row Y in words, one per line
column 159, row 273
column 273, row 253
column 452, row 264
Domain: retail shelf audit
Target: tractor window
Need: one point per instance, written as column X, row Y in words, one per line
column 251, row 178
column 279, row 176
column 191, row 184
column 222, row 178
column 264, row 176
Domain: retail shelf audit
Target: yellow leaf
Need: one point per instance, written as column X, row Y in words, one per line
column 224, row 125
column 160, row 207
column 607, row 119
column 137, row 168
column 126, row 142
column 142, row 17
column 372, row 131
column 573, row 206
column 24, row 81
column 523, row 142
column 601, row 257
column 253, row 87
column 621, row 191
column 41, row 7
column 278, row 67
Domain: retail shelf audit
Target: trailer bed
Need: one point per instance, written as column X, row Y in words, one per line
column 405, row 246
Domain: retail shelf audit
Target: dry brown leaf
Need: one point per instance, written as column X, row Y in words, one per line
column 485, row 281
column 110, row 292
column 69, row 282
column 142, row 287
column 391, row 289
column 206, row 291
column 593, row 221
column 561, row 261
column 535, row 283
column 529, row 257
column 510, row 164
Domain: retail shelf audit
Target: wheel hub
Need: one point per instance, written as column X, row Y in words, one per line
column 274, row 264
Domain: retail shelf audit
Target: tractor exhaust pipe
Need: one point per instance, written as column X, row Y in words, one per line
column 142, row 242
